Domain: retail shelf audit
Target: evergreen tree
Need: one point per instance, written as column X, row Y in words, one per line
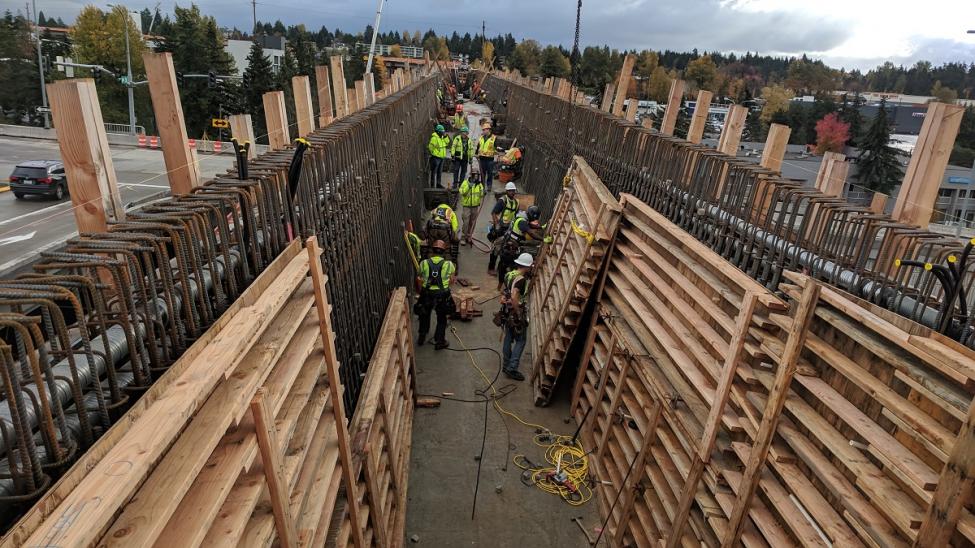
column 850, row 113
column 258, row 80
column 877, row 166
column 754, row 130
column 683, row 123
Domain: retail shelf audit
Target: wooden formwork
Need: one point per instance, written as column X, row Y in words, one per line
column 720, row 415
column 582, row 226
column 382, row 429
column 243, row 441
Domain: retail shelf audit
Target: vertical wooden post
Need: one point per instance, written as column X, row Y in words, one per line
column 825, row 167
column 271, row 455
column 734, row 124
column 338, row 86
column 276, row 118
column 180, row 164
column 325, row 111
column 794, row 344
column 775, row 145
column 699, row 120
column 919, row 191
column 606, row 105
column 304, row 111
column 673, row 105
column 878, row 204
column 242, row 129
column 631, row 109
column 623, row 83
column 370, row 90
column 721, row 393
column 360, row 94
column 324, row 310
column 353, row 100
column 835, row 181
column 85, row 153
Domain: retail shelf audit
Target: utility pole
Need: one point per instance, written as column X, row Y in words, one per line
column 40, row 68
column 128, row 63
column 483, row 40
column 375, row 32
column 254, row 11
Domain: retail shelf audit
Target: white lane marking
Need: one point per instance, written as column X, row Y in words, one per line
column 32, row 213
column 19, row 262
column 15, row 239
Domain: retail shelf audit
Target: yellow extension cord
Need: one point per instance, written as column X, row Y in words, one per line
column 560, row 452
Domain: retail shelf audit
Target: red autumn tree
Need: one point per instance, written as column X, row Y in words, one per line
column 831, row 134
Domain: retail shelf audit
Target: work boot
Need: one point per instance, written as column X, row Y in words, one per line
column 440, row 345
column 422, row 338
column 514, row 374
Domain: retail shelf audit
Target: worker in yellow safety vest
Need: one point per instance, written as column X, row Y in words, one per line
column 502, row 215
column 439, row 140
column 485, row 155
column 442, row 224
column 471, row 196
column 462, row 152
column 434, row 278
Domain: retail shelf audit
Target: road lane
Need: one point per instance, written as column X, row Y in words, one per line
column 36, row 224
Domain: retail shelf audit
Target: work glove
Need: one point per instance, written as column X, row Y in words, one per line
column 547, row 239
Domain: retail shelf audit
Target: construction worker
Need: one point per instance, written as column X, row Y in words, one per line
column 438, row 154
column 485, row 155
column 502, row 215
column 525, row 228
column 514, row 310
column 442, row 224
column 458, row 119
column 471, row 195
column 434, row 278
column 462, row 151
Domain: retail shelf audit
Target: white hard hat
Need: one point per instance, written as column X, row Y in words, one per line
column 525, row 259
column 510, row 186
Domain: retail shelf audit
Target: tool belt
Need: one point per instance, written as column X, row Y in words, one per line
column 440, row 301
column 497, row 231
column 506, row 318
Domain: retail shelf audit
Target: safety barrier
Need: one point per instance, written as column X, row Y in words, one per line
column 760, row 222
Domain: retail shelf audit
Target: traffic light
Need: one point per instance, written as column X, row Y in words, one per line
column 211, row 79
column 179, row 79
column 96, row 73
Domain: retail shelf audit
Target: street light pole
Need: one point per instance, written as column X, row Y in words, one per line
column 128, row 81
column 40, row 69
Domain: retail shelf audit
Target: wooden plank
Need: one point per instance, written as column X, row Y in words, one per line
column 323, row 307
column 922, row 180
column 623, row 83
column 673, row 106
column 631, row 109
column 954, row 491
column 835, row 182
column 826, row 168
column 878, row 204
column 360, row 94
column 88, row 510
column 699, row 120
column 606, row 105
column 326, row 113
column 276, row 118
column 242, row 129
column 795, row 342
column 181, row 166
column 87, row 159
column 775, row 147
column 268, row 443
column 734, row 124
column 304, row 111
column 370, row 82
column 342, row 107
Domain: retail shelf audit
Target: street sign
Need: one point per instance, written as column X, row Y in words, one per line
column 221, row 123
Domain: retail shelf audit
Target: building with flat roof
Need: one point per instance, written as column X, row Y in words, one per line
column 273, row 50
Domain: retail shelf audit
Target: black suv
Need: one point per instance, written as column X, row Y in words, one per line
column 45, row 177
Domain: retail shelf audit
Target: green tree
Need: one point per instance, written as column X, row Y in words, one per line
column 754, row 129
column 553, row 63
column 658, row 89
column 850, row 113
column 258, row 79
column 877, row 166
column 808, row 77
column 943, row 94
column 776, row 100
column 702, row 71
column 963, row 153
column 526, row 57
column 18, row 101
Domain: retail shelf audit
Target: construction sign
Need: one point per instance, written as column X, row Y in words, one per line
column 221, row 123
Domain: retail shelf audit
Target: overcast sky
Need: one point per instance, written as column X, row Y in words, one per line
column 844, row 33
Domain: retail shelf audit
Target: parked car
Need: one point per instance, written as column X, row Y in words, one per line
column 43, row 177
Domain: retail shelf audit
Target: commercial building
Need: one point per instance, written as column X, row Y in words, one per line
column 273, row 50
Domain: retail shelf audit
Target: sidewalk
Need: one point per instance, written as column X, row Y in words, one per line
column 448, row 439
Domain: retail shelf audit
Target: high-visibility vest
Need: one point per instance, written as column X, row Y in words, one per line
column 510, row 209
column 461, row 148
column 438, row 145
column 435, row 273
column 471, row 194
column 445, row 212
column 519, row 227
column 485, row 146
